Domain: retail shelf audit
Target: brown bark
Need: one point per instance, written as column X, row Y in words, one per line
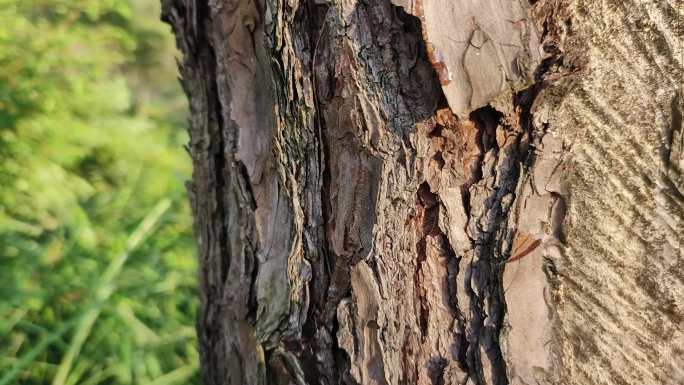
column 363, row 171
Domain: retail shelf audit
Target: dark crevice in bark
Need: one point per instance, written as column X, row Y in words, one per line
column 251, row 262
column 436, row 368
column 488, row 302
column 427, row 204
column 483, row 274
column 207, row 61
column 487, row 119
column 321, row 328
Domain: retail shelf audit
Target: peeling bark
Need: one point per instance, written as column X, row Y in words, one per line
column 436, row 192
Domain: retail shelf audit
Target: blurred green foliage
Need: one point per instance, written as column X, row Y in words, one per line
column 97, row 267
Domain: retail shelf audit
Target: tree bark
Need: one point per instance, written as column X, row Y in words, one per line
column 437, row 191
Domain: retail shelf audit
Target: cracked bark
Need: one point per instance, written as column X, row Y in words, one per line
column 431, row 191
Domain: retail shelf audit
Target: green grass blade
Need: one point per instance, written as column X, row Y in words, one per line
column 30, row 356
column 177, row 376
column 104, row 289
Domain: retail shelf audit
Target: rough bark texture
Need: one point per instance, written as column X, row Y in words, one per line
column 437, row 191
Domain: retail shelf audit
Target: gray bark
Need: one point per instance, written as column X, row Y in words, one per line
column 437, row 191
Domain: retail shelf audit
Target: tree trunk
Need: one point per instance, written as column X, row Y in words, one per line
column 437, row 191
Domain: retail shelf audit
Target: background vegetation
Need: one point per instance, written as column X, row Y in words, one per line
column 97, row 268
